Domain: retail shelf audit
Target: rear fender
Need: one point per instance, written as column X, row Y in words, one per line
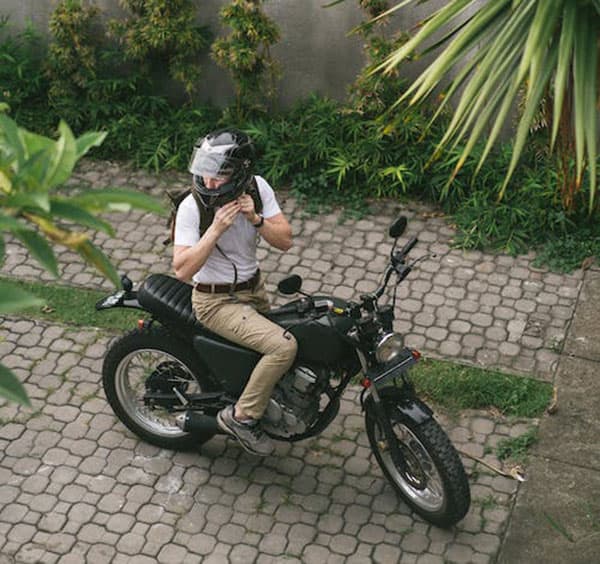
column 121, row 299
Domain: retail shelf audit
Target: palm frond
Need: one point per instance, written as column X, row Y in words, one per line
column 495, row 50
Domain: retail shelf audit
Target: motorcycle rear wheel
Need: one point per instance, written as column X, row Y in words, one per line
column 434, row 482
column 151, row 357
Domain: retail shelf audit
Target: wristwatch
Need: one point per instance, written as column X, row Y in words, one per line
column 261, row 221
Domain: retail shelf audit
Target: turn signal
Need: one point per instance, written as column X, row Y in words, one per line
column 416, row 355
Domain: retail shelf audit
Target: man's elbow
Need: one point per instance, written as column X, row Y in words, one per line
column 286, row 244
column 180, row 274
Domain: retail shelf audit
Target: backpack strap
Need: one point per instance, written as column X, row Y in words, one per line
column 254, row 192
column 206, row 214
column 175, row 198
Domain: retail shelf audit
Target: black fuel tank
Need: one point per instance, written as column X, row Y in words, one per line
column 319, row 341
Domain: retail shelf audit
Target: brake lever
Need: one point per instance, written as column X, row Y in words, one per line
column 421, row 259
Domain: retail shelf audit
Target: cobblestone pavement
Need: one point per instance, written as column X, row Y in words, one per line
column 76, row 486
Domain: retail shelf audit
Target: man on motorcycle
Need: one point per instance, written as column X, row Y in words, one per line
column 216, row 232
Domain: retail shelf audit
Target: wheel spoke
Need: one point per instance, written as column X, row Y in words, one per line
column 421, row 481
column 131, row 377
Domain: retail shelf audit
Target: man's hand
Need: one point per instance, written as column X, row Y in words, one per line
column 247, row 208
column 225, row 216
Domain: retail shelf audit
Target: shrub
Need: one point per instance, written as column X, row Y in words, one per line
column 23, row 85
column 245, row 53
column 163, row 33
column 72, row 62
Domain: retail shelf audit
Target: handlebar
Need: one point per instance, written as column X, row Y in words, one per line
column 408, row 247
column 397, row 265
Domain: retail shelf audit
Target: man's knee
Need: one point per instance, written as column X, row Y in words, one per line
column 283, row 346
column 290, row 348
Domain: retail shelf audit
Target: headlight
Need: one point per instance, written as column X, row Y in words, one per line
column 388, row 347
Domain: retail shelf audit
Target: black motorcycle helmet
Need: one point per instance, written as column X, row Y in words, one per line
column 228, row 154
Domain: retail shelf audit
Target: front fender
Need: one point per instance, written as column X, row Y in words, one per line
column 410, row 406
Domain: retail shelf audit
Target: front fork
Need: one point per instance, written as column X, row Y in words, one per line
column 388, row 431
column 413, row 408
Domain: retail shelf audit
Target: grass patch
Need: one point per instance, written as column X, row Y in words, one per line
column 488, row 502
column 516, row 448
column 457, row 387
column 75, row 307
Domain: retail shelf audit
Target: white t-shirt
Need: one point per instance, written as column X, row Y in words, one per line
column 238, row 242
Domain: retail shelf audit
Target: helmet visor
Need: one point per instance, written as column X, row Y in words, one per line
column 213, row 165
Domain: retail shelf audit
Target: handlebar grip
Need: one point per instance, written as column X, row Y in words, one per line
column 407, row 248
column 323, row 306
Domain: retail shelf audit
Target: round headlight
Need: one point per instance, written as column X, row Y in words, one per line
column 388, row 347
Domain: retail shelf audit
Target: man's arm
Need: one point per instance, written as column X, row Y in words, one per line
column 276, row 231
column 187, row 260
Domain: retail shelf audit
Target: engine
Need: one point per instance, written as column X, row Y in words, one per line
column 294, row 404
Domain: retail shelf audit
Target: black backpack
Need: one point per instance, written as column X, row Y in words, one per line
column 206, row 214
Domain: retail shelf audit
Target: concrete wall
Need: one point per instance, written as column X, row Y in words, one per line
column 315, row 52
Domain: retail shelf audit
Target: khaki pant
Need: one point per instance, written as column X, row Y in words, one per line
column 238, row 318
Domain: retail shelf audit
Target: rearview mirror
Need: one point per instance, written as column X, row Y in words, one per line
column 290, row 285
column 398, row 227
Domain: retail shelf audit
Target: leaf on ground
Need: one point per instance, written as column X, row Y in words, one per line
column 432, row 214
column 587, row 262
column 553, row 406
column 517, row 473
column 495, row 413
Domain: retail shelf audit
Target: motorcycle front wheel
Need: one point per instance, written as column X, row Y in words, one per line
column 152, row 362
column 432, row 479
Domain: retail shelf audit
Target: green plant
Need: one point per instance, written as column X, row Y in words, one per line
column 569, row 252
column 23, row 84
column 332, row 154
column 90, row 85
column 498, row 49
column 72, row 62
column 160, row 137
column 348, row 153
column 488, row 502
column 163, row 33
column 516, row 447
column 32, row 168
column 373, row 93
column 245, row 53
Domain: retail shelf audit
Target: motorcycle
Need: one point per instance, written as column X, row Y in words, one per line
column 167, row 379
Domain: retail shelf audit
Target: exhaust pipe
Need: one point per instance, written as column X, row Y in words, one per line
column 198, row 423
